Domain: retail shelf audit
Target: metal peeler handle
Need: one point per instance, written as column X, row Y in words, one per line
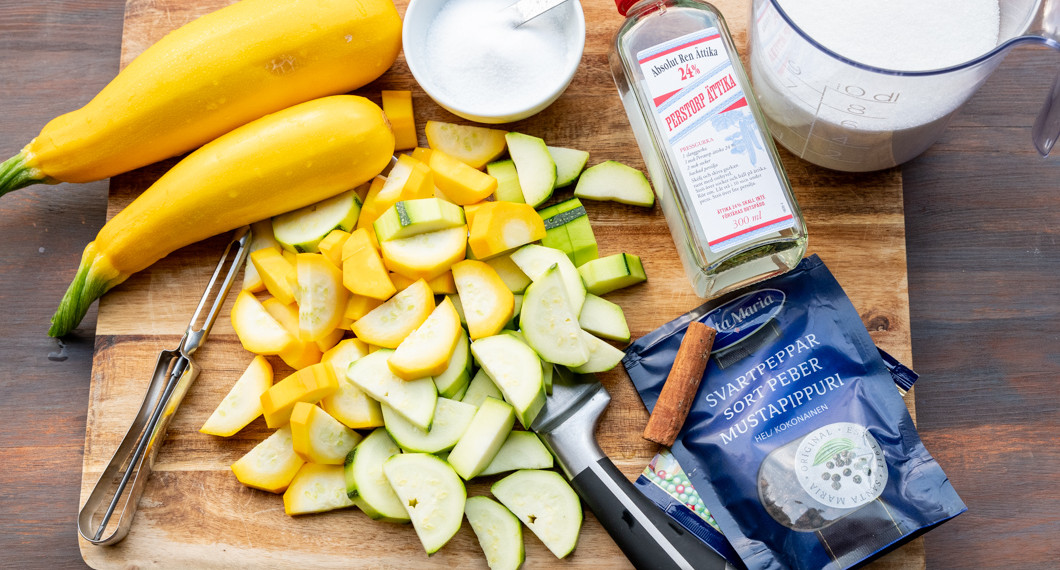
column 120, row 485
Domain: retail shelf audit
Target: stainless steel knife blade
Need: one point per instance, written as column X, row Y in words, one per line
column 648, row 537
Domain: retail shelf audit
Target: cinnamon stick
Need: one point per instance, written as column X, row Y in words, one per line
column 675, row 399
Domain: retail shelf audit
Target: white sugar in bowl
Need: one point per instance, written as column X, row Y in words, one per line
column 471, row 58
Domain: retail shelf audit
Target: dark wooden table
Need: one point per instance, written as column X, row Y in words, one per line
column 982, row 225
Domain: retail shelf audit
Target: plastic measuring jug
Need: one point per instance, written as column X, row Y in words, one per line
column 845, row 115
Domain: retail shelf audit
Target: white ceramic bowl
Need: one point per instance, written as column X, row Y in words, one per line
column 421, row 55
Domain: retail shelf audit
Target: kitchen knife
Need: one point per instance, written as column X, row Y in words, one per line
column 646, row 534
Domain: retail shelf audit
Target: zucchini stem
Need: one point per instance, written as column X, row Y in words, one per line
column 14, row 174
column 84, row 289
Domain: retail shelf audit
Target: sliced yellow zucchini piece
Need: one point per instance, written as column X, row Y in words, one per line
column 503, row 226
column 277, row 272
column 301, row 354
column 509, row 272
column 349, row 404
column 363, row 272
column 486, row 301
column 309, row 384
column 425, row 256
column 471, row 209
column 316, row 489
column 331, row 339
column 472, row 145
column 459, row 182
column 271, row 464
column 397, row 105
column 427, row 349
column 321, row 298
column 359, row 306
column 319, row 438
column 331, row 246
column 421, row 153
column 257, row 330
column 370, row 210
column 261, row 237
column 441, row 285
column 388, row 324
column 242, row 404
column 408, row 180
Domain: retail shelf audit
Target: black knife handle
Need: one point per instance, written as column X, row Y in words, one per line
column 646, row 534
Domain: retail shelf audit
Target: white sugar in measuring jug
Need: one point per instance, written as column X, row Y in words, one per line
column 862, row 85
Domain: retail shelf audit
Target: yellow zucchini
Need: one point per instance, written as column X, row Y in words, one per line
column 488, row 304
column 299, row 354
column 287, row 160
column 503, row 226
column 271, row 465
column 208, row 77
column 309, row 384
column 427, row 349
column 258, row 330
column 388, row 324
column 319, row 438
column 242, row 404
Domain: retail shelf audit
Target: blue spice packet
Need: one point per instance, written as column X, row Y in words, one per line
column 665, row 483
column 797, row 442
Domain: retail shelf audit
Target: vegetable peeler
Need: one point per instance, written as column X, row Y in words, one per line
column 120, row 485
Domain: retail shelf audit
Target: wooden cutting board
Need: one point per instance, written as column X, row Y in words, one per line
column 195, row 514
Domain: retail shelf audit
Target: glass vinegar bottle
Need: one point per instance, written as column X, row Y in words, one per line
column 716, row 171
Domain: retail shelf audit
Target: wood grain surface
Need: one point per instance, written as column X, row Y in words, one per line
column 151, row 309
column 980, row 212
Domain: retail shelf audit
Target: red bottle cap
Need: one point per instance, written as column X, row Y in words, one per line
column 625, row 5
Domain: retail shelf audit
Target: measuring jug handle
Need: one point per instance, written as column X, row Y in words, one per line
column 1047, row 126
column 1045, row 28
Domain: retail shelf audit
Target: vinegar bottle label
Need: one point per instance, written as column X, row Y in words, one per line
column 701, row 110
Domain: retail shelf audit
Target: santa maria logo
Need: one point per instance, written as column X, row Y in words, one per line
column 841, row 465
column 744, row 316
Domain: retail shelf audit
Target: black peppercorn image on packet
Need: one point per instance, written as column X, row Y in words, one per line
column 798, row 443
